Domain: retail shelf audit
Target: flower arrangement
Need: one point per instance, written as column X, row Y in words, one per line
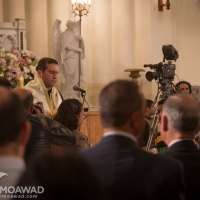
column 15, row 64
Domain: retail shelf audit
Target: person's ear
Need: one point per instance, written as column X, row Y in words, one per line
column 137, row 126
column 147, row 109
column 25, row 133
column 135, row 119
column 31, row 109
column 164, row 123
column 198, row 129
column 39, row 73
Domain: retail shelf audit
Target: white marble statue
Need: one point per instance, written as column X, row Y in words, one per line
column 68, row 49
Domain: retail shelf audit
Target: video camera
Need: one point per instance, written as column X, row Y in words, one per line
column 164, row 73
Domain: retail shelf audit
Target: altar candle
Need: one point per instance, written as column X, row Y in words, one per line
column 21, row 82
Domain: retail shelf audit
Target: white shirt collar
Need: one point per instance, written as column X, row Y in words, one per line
column 121, row 133
column 177, row 140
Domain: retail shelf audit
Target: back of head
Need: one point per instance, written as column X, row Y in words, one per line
column 42, row 64
column 12, row 116
column 183, row 112
column 63, row 175
column 5, row 83
column 68, row 112
column 117, row 101
column 25, row 96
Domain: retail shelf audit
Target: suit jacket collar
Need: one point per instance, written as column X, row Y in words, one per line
column 120, row 133
column 188, row 145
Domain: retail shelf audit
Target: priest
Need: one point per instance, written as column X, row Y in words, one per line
column 43, row 86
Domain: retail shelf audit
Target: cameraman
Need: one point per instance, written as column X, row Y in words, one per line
column 149, row 112
column 184, row 87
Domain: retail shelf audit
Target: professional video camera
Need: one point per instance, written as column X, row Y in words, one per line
column 164, row 76
column 164, row 73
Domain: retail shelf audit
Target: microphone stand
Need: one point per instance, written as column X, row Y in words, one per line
column 84, row 100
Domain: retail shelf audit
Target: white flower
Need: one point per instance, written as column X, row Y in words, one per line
column 9, row 67
column 25, row 76
column 26, row 70
column 29, row 61
column 2, row 49
column 32, row 68
column 27, row 53
column 12, row 56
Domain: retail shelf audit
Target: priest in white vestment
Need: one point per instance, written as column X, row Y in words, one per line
column 43, row 86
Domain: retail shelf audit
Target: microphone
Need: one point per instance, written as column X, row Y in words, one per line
column 76, row 88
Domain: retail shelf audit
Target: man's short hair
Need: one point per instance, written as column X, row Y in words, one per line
column 183, row 113
column 149, row 103
column 184, row 82
column 12, row 116
column 161, row 102
column 5, row 83
column 117, row 101
column 42, row 64
column 28, row 101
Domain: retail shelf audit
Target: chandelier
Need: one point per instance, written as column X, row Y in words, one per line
column 80, row 7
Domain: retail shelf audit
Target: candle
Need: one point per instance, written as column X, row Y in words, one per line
column 21, row 82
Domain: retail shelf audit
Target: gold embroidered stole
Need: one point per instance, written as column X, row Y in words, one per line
column 50, row 100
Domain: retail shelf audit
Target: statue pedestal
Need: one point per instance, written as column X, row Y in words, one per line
column 134, row 74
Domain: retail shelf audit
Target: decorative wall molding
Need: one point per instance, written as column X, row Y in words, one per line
column 13, row 34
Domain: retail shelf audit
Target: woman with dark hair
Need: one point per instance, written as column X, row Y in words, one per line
column 71, row 114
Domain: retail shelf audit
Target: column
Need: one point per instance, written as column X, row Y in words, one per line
column 96, row 31
column 1, row 11
column 122, row 37
column 13, row 9
column 60, row 11
column 37, row 36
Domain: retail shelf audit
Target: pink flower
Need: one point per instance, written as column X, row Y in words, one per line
column 15, row 64
column 22, row 61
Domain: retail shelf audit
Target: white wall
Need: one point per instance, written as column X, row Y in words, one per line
column 118, row 34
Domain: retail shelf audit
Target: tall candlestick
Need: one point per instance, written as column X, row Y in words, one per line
column 21, row 82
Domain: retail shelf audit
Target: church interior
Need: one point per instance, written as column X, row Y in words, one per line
column 113, row 130
column 118, row 35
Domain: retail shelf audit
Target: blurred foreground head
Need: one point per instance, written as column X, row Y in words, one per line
column 12, row 117
column 180, row 117
column 120, row 101
column 63, row 175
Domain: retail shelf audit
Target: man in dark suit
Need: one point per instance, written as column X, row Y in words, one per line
column 180, row 123
column 126, row 171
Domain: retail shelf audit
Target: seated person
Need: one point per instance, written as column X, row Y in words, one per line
column 37, row 143
column 71, row 114
column 43, row 86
